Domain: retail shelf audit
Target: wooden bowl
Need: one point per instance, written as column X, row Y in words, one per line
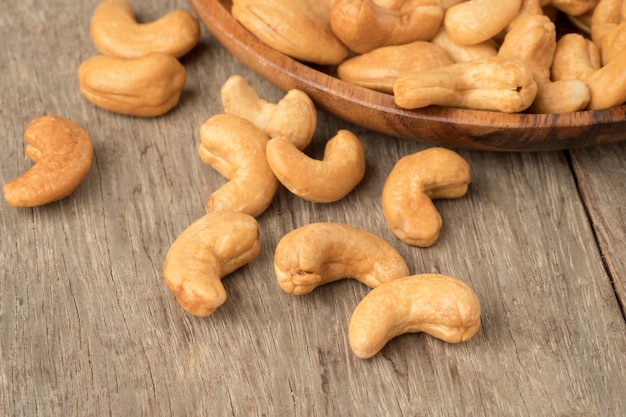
column 460, row 128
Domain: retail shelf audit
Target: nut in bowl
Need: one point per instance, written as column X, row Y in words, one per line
column 443, row 126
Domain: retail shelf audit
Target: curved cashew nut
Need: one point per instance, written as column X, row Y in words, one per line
column 235, row 148
column 463, row 53
column 146, row 86
column 476, row 21
column 115, row 31
column 363, row 25
column 62, row 152
column 379, row 68
column 319, row 253
column 439, row 305
column 411, row 186
column 577, row 57
column 210, row 248
column 574, row 7
column 532, row 40
column 298, row 28
column 496, row 84
column 608, row 28
column 294, row 116
column 325, row 181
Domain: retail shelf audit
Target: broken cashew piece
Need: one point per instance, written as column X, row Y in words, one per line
column 62, row 152
column 476, row 21
column 364, row 25
column 439, row 305
column 212, row 247
column 293, row 117
column 115, row 31
column 495, row 84
column 146, row 86
column 325, row 181
column 319, row 253
column 235, row 148
column 413, row 183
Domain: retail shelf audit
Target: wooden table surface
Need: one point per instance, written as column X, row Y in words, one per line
column 88, row 327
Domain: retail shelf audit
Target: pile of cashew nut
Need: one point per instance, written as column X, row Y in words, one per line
column 481, row 54
column 258, row 146
column 138, row 72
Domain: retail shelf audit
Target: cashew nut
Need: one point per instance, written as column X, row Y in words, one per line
column 411, row 186
column 298, row 28
column 62, row 152
column 212, row 247
column 496, row 84
column 463, row 53
column 319, row 253
column 364, row 25
column 115, row 31
column 379, row 68
column 532, row 40
column 608, row 28
column 579, row 58
column 574, row 7
column 146, row 86
column 476, row 21
column 235, row 148
column 325, row 181
column 439, row 305
column 293, row 117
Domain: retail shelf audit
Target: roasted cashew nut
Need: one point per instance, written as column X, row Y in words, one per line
column 115, row 31
column 476, row 21
column 411, row 186
column 577, row 57
column 62, row 152
column 532, row 40
column 212, row 247
column 574, row 7
column 235, row 148
column 325, row 181
column 298, row 28
column 293, row 117
column 379, row 68
column 495, row 84
column 146, row 86
column 319, row 253
column 364, row 25
column 608, row 28
column 463, row 53
column 438, row 305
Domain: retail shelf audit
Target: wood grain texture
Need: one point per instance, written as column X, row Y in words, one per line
column 461, row 128
column 88, row 327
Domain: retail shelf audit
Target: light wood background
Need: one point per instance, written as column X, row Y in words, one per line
column 88, row 328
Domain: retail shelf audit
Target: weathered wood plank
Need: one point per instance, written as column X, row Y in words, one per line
column 88, row 327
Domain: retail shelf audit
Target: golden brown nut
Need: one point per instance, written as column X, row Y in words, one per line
column 298, row 28
column 293, row 117
column 532, row 40
column 210, row 248
column 363, row 25
column 115, row 31
column 439, row 305
column 235, row 148
column 147, row 86
column 62, row 152
column 608, row 28
column 413, row 183
column 320, row 253
column 319, row 181
column 476, row 21
column 379, row 68
column 463, row 53
column 579, row 58
column 496, row 84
